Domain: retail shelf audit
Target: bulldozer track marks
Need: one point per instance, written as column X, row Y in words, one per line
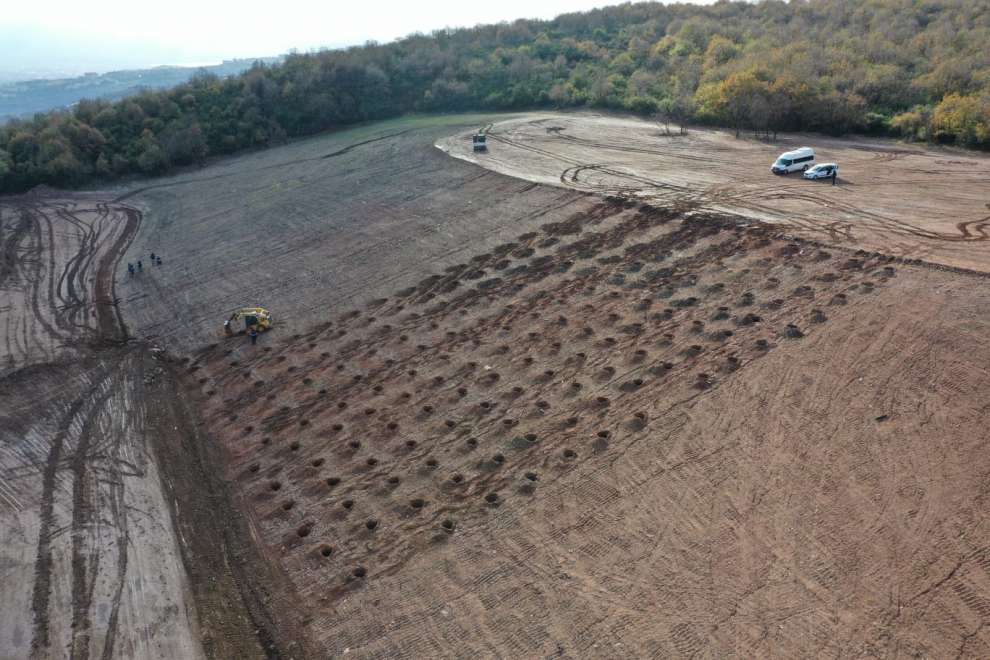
column 58, row 273
column 699, row 170
column 614, row 418
column 95, row 567
column 515, row 412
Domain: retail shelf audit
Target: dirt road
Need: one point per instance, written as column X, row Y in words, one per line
column 91, row 563
column 899, row 199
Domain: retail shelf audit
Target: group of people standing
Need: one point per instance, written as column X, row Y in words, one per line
column 156, row 260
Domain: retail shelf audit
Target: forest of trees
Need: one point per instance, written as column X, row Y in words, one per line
column 919, row 69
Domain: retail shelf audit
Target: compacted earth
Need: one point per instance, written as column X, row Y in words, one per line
column 99, row 450
column 634, row 433
column 494, row 417
column 899, row 199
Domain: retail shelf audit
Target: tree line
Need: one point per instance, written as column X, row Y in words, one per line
column 919, row 69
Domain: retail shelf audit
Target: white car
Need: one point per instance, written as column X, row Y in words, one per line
column 822, row 171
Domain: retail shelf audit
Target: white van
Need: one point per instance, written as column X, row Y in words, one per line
column 794, row 161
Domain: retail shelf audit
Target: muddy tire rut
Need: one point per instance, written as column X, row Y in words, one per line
column 91, row 496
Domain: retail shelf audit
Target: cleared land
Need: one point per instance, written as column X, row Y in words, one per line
column 329, row 222
column 901, row 200
column 631, row 434
column 495, row 418
column 90, row 563
column 97, row 453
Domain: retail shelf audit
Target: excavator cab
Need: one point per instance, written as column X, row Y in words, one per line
column 254, row 317
column 480, row 142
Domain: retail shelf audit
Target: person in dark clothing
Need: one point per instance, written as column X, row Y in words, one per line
column 152, row 258
column 835, row 173
column 159, row 259
column 130, row 269
column 254, row 335
column 140, row 267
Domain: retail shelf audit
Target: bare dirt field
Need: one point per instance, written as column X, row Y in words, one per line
column 307, row 228
column 58, row 271
column 630, row 434
column 91, row 555
column 494, row 418
column 899, row 199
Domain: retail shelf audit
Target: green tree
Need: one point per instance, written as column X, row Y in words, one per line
column 151, row 158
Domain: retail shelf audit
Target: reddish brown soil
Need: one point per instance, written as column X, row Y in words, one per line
column 631, row 433
column 597, row 428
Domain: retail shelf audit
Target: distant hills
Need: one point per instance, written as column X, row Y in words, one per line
column 24, row 98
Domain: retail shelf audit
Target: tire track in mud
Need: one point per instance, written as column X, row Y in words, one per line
column 43, row 563
column 119, row 514
column 341, row 152
column 266, row 168
column 105, row 294
column 85, row 565
column 89, row 570
column 82, row 423
column 10, row 239
column 32, row 256
column 728, row 197
column 59, row 260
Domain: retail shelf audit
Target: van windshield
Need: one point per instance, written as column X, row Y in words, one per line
column 786, row 162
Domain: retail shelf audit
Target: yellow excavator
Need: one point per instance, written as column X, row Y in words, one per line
column 254, row 317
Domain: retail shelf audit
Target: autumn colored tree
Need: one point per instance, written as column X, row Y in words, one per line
column 919, row 69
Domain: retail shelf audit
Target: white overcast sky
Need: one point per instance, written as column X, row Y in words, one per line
column 93, row 34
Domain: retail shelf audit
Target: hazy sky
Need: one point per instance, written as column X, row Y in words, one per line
column 103, row 34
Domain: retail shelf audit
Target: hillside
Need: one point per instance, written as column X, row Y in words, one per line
column 27, row 97
column 631, row 434
column 602, row 429
column 494, row 417
column 917, row 69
